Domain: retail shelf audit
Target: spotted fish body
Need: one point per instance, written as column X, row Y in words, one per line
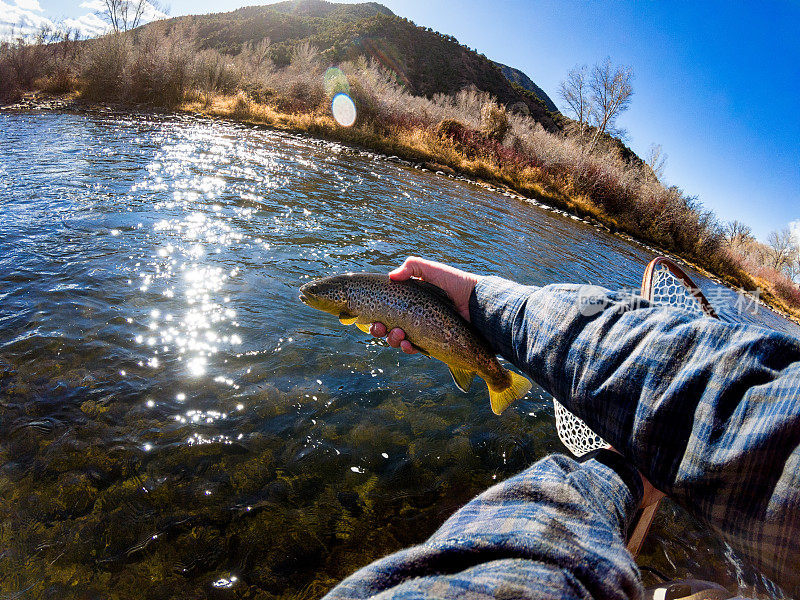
column 429, row 320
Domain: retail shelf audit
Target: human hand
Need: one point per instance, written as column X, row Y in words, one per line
column 456, row 283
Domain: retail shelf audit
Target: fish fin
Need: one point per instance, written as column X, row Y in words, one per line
column 462, row 377
column 347, row 318
column 363, row 327
column 501, row 399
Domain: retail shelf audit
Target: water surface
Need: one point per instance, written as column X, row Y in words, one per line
column 176, row 424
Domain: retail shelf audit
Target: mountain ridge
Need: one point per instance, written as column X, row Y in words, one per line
column 520, row 78
column 425, row 61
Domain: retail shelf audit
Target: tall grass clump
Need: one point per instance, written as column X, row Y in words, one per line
column 242, row 106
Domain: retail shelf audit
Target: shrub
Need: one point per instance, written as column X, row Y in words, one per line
column 300, row 83
column 105, row 65
column 212, row 72
column 494, row 121
column 9, row 85
column 451, row 129
column 59, row 82
column 151, row 66
column 45, row 60
column 787, row 290
column 159, row 71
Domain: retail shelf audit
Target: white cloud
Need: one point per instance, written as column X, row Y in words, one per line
column 90, row 25
column 18, row 20
column 22, row 19
column 94, row 5
column 151, row 13
column 29, row 5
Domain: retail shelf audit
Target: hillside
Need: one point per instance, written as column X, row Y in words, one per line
column 521, row 79
column 426, row 62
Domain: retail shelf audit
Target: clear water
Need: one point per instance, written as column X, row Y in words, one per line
column 175, row 423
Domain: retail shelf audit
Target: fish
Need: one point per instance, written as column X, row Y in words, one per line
column 430, row 321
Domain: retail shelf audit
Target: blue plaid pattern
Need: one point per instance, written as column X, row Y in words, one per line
column 552, row 531
column 708, row 411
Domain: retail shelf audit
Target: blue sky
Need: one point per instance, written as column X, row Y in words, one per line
column 717, row 84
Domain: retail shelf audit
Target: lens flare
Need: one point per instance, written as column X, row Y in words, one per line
column 344, row 111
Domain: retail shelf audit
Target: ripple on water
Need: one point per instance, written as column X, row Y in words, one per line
column 179, row 423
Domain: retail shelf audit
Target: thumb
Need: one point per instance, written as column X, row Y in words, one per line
column 411, row 267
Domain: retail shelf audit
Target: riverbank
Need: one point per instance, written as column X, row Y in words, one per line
column 459, row 151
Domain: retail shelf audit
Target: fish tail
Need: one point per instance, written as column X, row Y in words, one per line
column 501, row 398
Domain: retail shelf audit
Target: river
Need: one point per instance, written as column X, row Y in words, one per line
column 175, row 423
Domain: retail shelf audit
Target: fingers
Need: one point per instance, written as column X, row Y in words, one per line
column 410, row 268
column 407, row 347
column 414, row 266
column 396, row 337
column 456, row 283
column 377, row 329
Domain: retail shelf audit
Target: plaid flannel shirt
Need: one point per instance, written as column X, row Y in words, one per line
column 708, row 411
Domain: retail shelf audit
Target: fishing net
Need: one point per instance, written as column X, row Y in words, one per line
column 664, row 283
column 574, row 433
column 667, row 288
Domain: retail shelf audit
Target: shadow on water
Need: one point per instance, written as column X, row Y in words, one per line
column 177, row 424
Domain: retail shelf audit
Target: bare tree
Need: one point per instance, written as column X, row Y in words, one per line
column 123, row 15
column 611, row 92
column 657, row 160
column 793, row 269
column 782, row 250
column 599, row 97
column 737, row 233
column 574, row 91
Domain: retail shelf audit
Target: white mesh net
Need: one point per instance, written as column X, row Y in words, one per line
column 668, row 290
column 574, row 433
column 665, row 289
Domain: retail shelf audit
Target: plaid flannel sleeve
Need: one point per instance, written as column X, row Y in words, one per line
column 556, row 530
column 708, row 411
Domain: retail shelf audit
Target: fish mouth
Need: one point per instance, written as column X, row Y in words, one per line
column 304, row 299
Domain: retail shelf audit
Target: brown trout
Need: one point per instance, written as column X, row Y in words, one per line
column 430, row 321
